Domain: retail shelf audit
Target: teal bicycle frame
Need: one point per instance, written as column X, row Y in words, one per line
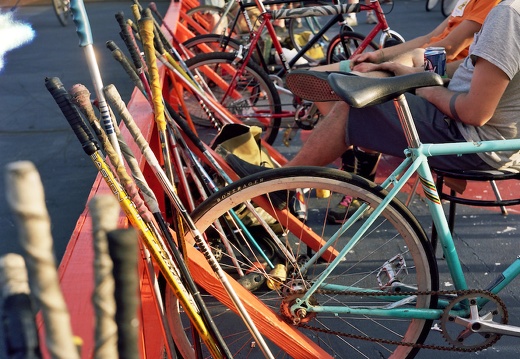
column 416, row 161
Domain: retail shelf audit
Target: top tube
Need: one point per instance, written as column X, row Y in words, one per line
column 461, row 148
column 325, row 10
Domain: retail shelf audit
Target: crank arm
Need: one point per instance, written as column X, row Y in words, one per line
column 487, row 326
column 482, row 326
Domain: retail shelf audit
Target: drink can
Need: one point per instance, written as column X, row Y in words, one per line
column 435, row 60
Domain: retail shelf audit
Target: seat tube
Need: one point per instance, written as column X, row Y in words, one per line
column 406, row 119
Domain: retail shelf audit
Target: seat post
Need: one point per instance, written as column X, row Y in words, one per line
column 406, row 119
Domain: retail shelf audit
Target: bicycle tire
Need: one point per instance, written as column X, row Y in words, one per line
column 430, row 4
column 62, row 11
column 214, row 41
column 447, row 7
column 396, row 231
column 259, row 103
column 343, row 45
column 312, row 24
column 392, row 40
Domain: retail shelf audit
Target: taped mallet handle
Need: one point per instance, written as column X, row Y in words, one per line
column 129, row 41
column 18, row 317
column 122, row 246
column 26, row 198
column 120, row 57
column 62, row 98
column 104, row 211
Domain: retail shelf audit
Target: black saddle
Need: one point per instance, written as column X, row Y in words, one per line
column 360, row 91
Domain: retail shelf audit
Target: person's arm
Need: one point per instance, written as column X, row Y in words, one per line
column 478, row 105
column 389, row 53
column 413, row 58
column 458, row 38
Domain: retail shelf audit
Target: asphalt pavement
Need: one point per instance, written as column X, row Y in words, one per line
column 33, row 128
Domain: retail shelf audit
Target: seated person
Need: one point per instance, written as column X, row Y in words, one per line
column 455, row 34
column 481, row 102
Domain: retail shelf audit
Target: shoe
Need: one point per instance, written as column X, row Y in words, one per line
column 351, row 21
column 243, row 169
column 345, row 209
column 371, row 18
column 311, row 85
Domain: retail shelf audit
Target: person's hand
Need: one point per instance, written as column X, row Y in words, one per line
column 372, row 57
column 365, row 67
column 398, row 69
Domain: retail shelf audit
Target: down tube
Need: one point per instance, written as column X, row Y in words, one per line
column 441, row 224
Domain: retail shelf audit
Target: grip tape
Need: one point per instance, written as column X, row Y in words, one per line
column 80, row 18
column 72, row 115
column 122, row 246
column 128, row 40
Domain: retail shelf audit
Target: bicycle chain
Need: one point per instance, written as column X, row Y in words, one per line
column 414, row 345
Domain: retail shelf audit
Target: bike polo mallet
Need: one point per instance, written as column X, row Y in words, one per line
column 79, row 15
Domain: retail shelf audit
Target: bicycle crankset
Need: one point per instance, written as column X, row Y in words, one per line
column 307, row 115
column 465, row 317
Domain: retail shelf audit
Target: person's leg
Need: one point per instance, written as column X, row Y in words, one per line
column 327, row 140
column 371, row 17
column 412, row 58
column 362, row 163
column 351, row 18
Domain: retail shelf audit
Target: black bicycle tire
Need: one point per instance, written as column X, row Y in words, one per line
column 430, row 4
column 337, row 41
column 293, row 24
column 62, row 11
column 271, row 132
column 271, row 180
column 233, row 44
column 447, row 7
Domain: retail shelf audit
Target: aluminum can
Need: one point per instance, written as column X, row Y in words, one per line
column 435, row 60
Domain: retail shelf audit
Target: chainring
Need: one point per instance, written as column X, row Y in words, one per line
column 456, row 328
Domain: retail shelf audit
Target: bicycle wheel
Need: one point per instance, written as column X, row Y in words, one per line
column 255, row 100
column 62, row 11
column 430, row 4
column 301, row 30
column 447, row 7
column 343, row 45
column 215, row 43
column 392, row 255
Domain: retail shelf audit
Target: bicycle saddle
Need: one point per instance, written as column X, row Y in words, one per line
column 359, row 91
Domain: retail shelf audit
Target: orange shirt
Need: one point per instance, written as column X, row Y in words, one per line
column 475, row 10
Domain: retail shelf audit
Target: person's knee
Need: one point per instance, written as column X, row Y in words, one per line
column 329, row 67
column 418, row 57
